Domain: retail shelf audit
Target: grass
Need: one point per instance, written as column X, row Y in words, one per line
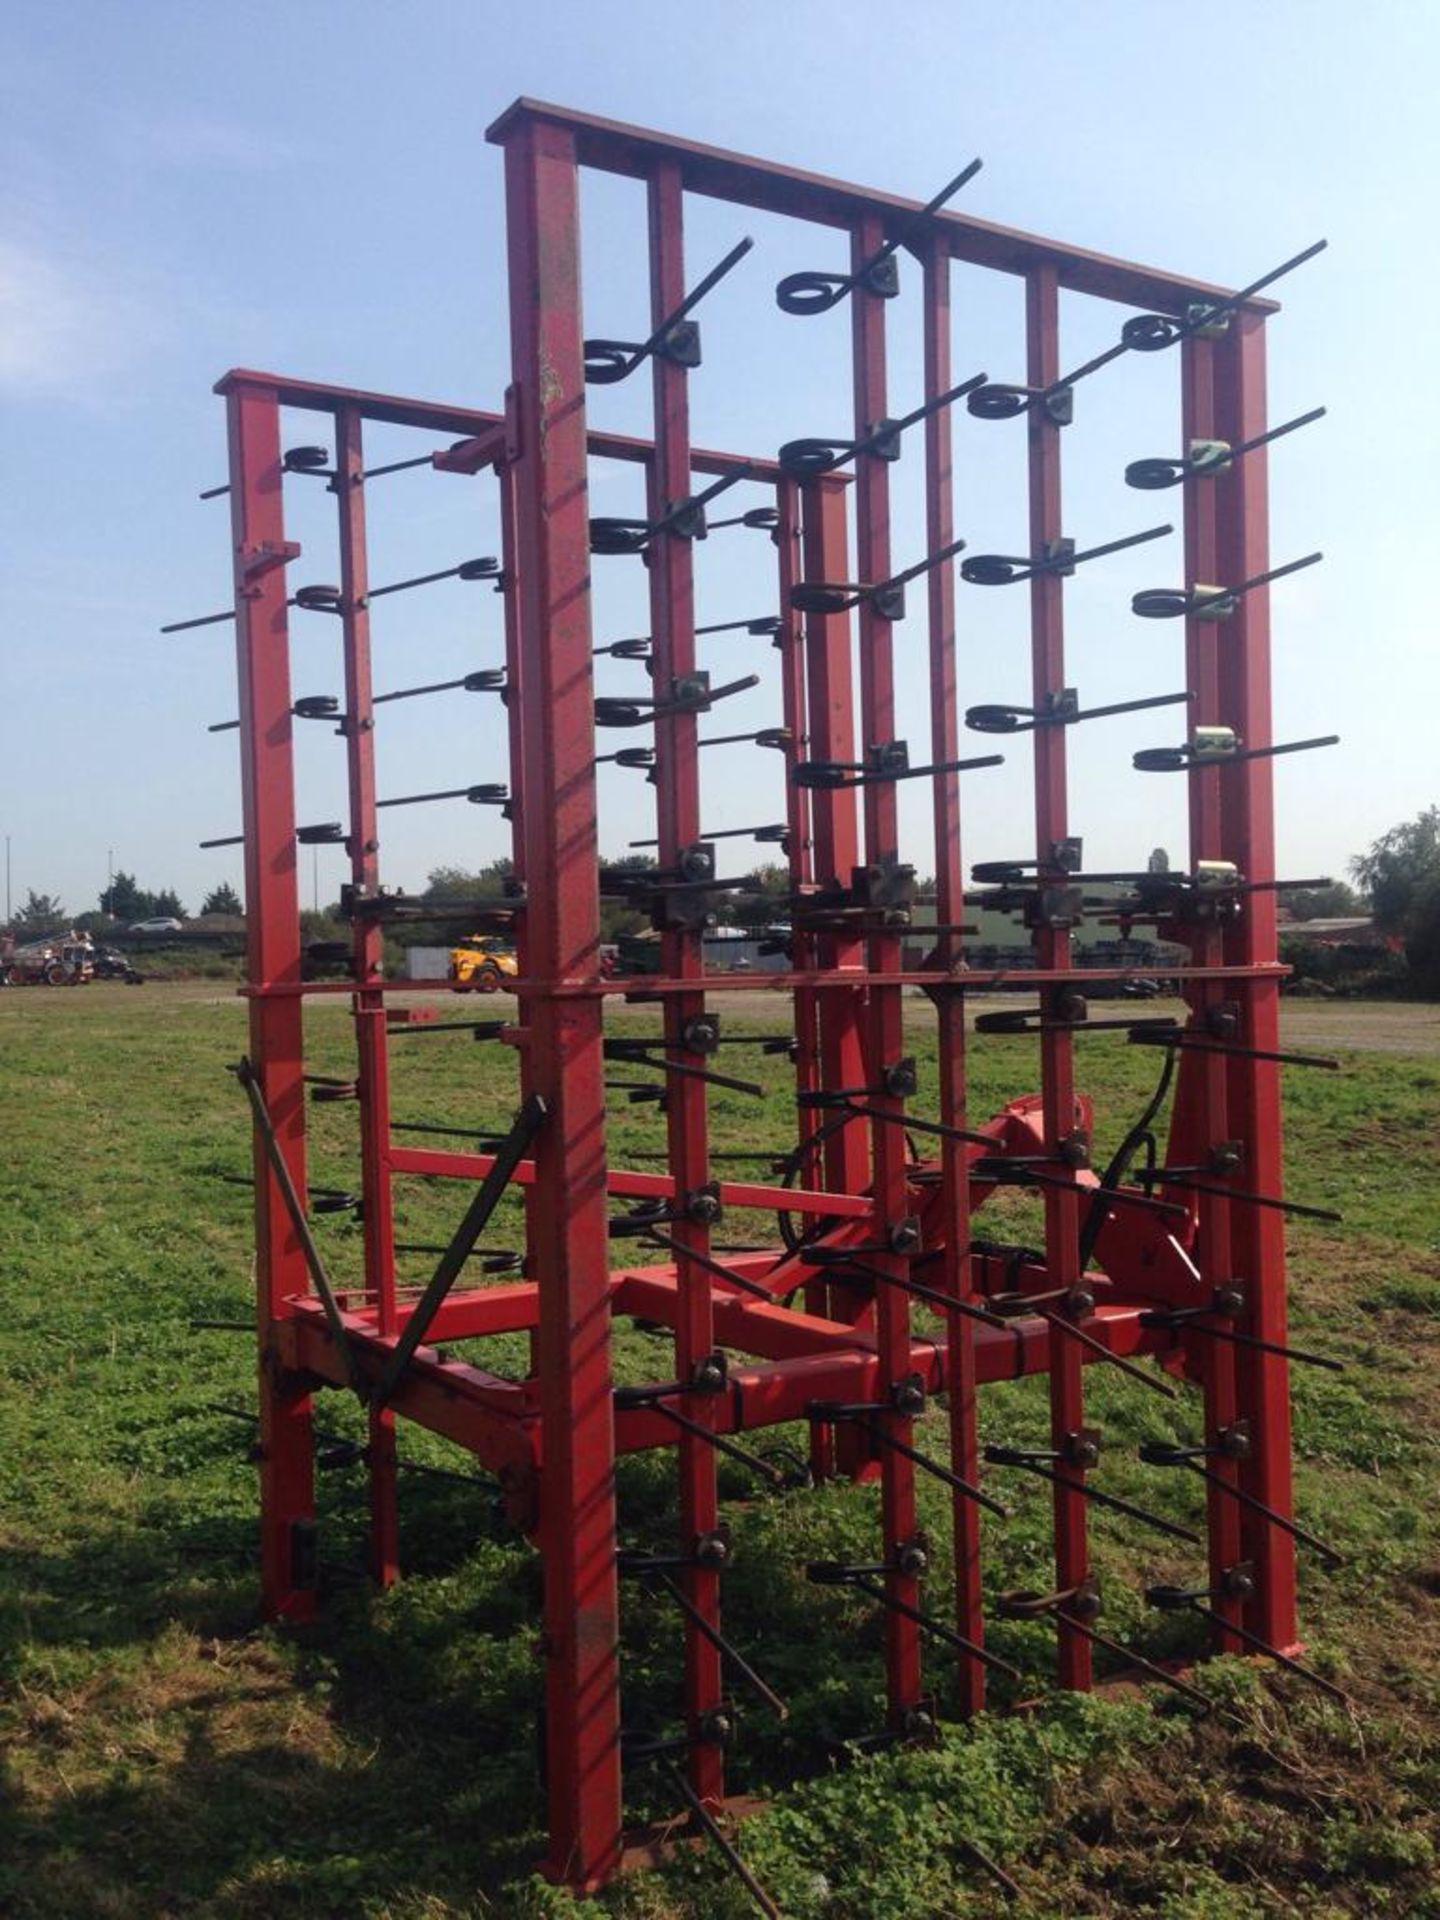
column 167, row 1755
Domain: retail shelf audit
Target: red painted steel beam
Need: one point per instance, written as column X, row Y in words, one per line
column 677, row 806
column 643, row 1186
column 1201, row 1104
column 369, row 943
column 884, row 1031
column 951, row 1210
column 1263, row 1386
column 475, row 425
column 267, row 780
column 568, row 1242
column 614, row 147
column 1052, row 944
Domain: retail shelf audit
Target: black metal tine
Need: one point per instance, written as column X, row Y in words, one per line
column 808, row 457
column 640, row 759
column 1207, row 748
column 1001, row 718
column 486, row 1140
column 227, row 840
column 510, row 1152
column 1162, row 1454
column 1188, row 1320
column 634, row 1054
column 780, row 738
column 886, row 597
column 777, row 830
column 685, row 519
column 810, row 293
column 641, row 711
column 835, row 1410
column 1014, row 1457
column 862, row 1583
column 862, row 1111
column 1135, row 1659
column 1144, row 336
column 764, row 625
column 1207, row 458
column 481, row 1029
column 484, row 680
column 1064, row 1325
column 721, row 1442
column 1060, row 557
column 206, row 620
column 1144, row 333
column 1150, row 1037
column 672, row 1245
column 607, row 362
column 1179, row 1599
column 830, row 775
column 1162, row 1176
column 493, row 1259
column 712, row 1827
column 941, row 1302
column 759, row 519
column 1010, row 1172
column 484, row 569
column 1170, row 603
column 717, row 1639
column 481, row 796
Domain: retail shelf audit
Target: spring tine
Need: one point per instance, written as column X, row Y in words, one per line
column 1099, row 1496
column 1327, row 1554
column 721, row 1645
column 206, row 620
column 607, row 362
column 1258, row 286
column 486, row 569
column 1160, row 1176
column 1185, row 1321
column 1118, row 546
column 923, row 1460
column 1208, row 458
column 745, row 1284
column 1274, row 1653
column 1152, row 1037
column 864, row 1584
column 712, row 1827
column 811, row 293
column 1135, row 1659
column 927, row 565
column 721, row 1442
column 942, row 1302
column 1065, row 1325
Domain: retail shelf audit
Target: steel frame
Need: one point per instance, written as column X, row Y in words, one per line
column 554, row 1437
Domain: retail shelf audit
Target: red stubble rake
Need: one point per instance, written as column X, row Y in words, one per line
column 821, row 1328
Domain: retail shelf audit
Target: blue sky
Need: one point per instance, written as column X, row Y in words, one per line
column 306, row 187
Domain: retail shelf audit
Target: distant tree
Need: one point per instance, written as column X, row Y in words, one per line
column 222, row 899
column 1159, row 861
column 168, row 903
column 1401, row 875
column 41, row 914
column 461, row 883
column 1338, row 901
column 123, row 899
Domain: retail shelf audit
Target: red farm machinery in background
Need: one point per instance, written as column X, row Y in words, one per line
column 885, row 1294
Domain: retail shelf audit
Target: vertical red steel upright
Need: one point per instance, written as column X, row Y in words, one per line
column 874, row 1294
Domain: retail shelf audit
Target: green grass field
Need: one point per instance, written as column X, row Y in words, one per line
column 166, row 1755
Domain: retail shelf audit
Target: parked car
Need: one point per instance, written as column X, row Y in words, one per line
column 162, row 925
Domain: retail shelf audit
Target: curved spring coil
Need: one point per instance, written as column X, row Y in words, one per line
column 808, row 293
